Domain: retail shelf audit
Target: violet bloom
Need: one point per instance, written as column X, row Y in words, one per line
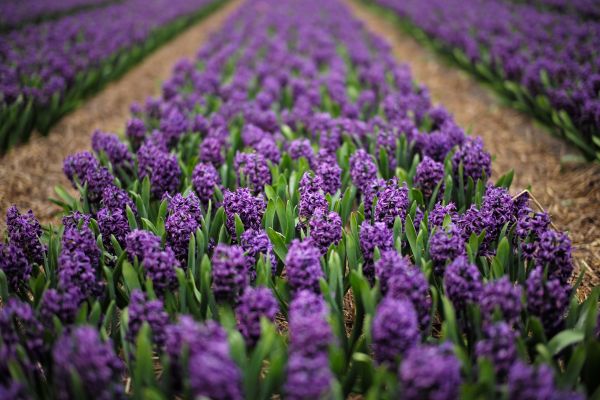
column 438, row 214
column 362, row 169
column 81, row 239
column 214, row 376
column 141, row 310
column 174, row 126
column 252, row 134
column 553, row 251
column 75, row 270
column 331, row 174
column 255, row 303
column 477, row 162
column 504, row 297
column 15, row 266
column 528, row 382
column 395, row 330
column 498, row 346
column 445, row 246
column 372, row 236
column 303, row 266
column 183, row 219
column 24, row 231
column 112, row 222
column 462, row 283
column 211, row 151
column 368, row 195
column 429, row 174
column 430, row 372
column 20, row 326
column 84, row 169
column 389, row 264
column 115, row 150
column 159, row 266
column 308, row 372
column 229, row 272
column 135, row 132
column 325, row 229
column 116, row 198
column 75, row 219
column 140, row 242
column 410, row 283
column 268, row 148
column 255, row 243
column 249, row 208
column 204, row 179
column 312, row 197
column 254, row 169
column 301, row 148
column 63, row 303
column 547, row 299
column 82, row 352
column 161, row 168
column 392, row 202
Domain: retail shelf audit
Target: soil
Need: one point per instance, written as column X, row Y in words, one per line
column 29, row 173
column 568, row 189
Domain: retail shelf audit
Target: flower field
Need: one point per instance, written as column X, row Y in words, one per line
column 76, row 55
column 549, row 68
column 292, row 217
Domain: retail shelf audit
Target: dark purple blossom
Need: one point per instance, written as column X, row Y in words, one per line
column 390, row 264
column 503, row 296
column 547, row 299
column 429, row 174
column 312, row 197
column 331, row 174
column 372, row 236
column 462, row 283
column 430, row 372
column 438, row 214
column 24, row 231
column 174, row 126
column 499, row 346
column 140, row 242
column 214, row 376
column 307, row 377
column 252, row 170
column 81, row 239
column 75, row 270
column 112, row 223
column 204, row 179
column 269, row 150
column 249, row 208
column 15, row 266
column 115, row 150
column 301, row 148
column 255, row 303
column 82, row 352
column 159, row 266
column 362, row 169
column 409, row 283
column 255, row 243
column 211, row 151
column 141, row 310
column 183, row 219
column 303, row 266
column 444, row 247
column 528, row 382
column 229, row 272
column 553, row 251
column 392, row 202
column 135, row 132
column 115, row 198
column 325, row 229
column 64, row 304
column 83, row 168
column 161, row 168
column 395, row 330
column 477, row 162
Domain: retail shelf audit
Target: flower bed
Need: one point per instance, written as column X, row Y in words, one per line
column 542, row 62
column 76, row 55
column 292, row 217
column 16, row 13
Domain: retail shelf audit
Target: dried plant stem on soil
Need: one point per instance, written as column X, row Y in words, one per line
column 570, row 193
column 29, row 173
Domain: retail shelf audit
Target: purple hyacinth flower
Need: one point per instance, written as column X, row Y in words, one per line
column 81, row 351
column 115, row 198
column 257, row 242
column 444, row 247
column 372, row 236
column 269, row 150
column 362, row 169
column 389, row 264
column 211, row 151
column 528, row 382
column 254, row 169
column 477, row 162
column 429, row 174
column 15, row 266
column 112, row 222
column 249, row 208
column 115, row 150
column 63, row 304
column 303, row 266
column 307, row 377
column 325, row 229
column 255, row 303
column 140, row 242
column 301, row 148
column 331, row 174
column 462, row 283
column 135, row 132
column 504, row 297
column 410, row 283
column 392, row 202
column 214, row 376
column 161, row 168
column 141, row 310
column 24, row 231
column 553, row 251
column 430, row 372
column 395, row 330
column 499, row 346
column 183, row 219
column 547, row 299
column 84, row 169
column 159, row 266
column 229, row 272
column 204, row 179
column 312, row 197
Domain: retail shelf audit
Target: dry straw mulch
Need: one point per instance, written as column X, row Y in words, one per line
column 570, row 192
column 29, row 173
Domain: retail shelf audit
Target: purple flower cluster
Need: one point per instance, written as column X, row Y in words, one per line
column 84, row 169
column 325, row 229
column 499, row 346
column 547, row 299
column 249, row 208
column 115, row 150
column 362, row 169
column 395, row 330
column 253, row 170
column 229, row 272
column 308, row 372
column 183, row 219
column 462, row 283
column 392, row 203
column 303, row 266
column 254, row 244
column 372, row 236
column 255, row 303
column 204, row 179
column 152, row 312
column 161, row 168
column 504, row 297
column 15, row 265
column 24, row 231
column 428, row 176
column 312, row 197
column 444, row 247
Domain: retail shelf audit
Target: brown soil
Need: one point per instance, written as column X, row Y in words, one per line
column 29, row 173
column 570, row 192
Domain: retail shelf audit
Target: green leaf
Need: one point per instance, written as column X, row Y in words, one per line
column 130, row 277
column 278, row 242
column 564, row 339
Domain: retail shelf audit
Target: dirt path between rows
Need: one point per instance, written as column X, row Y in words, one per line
column 29, row 173
column 570, row 193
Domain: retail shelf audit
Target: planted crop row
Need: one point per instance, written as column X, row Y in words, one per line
column 292, row 217
column 543, row 63
column 17, row 13
column 47, row 69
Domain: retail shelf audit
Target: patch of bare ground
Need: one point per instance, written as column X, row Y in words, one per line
column 570, row 192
